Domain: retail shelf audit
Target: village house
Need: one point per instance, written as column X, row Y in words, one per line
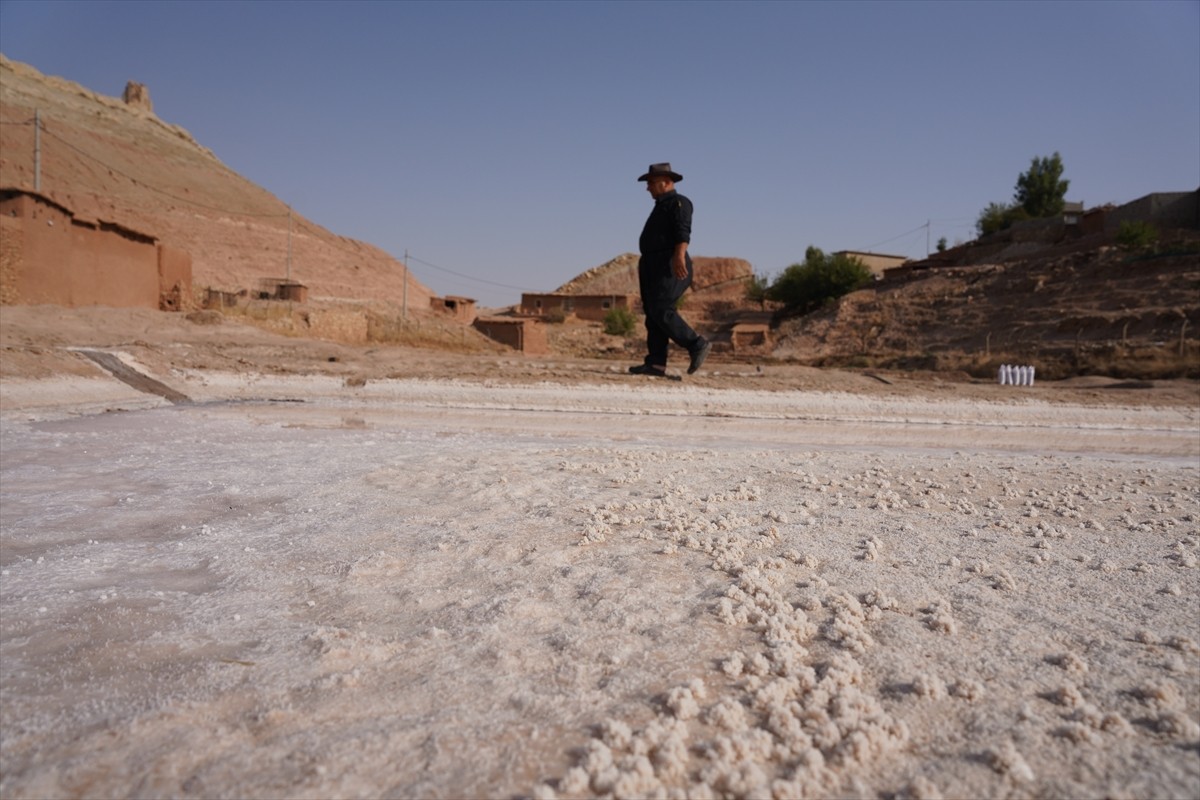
column 560, row 305
column 876, row 262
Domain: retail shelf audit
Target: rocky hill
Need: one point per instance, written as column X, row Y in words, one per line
column 113, row 158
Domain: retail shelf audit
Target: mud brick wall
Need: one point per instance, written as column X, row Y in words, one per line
column 174, row 279
column 51, row 256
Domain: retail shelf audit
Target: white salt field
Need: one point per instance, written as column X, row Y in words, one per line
column 435, row 589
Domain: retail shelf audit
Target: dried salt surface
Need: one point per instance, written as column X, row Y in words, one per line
column 441, row 594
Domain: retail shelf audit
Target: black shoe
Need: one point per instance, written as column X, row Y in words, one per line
column 655, row 372
column 698, row 355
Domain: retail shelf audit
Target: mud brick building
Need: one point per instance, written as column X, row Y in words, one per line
column 591, row 307
column 49, row 254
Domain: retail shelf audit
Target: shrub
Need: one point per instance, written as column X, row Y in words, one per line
column 619, row 322
column 757, row 287
column 998, row 217
column 1136, row 234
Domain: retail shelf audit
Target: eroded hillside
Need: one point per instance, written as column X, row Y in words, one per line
column 1098, row 309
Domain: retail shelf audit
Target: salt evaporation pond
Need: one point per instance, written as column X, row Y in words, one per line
column 497, row 592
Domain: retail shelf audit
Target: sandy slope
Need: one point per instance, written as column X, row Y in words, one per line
column 369, row 577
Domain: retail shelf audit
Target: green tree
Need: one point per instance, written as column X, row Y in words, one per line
column 1039, row 193
column 1041, row 190
column 757, row 287
column 941, row 245
column 818, row 280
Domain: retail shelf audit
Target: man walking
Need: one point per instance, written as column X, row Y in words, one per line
column 665, row 273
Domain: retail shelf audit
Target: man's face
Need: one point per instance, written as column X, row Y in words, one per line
column 657, row 187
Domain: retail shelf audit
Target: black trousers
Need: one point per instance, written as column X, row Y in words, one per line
column 661, row 290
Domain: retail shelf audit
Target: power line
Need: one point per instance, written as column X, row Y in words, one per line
column 928, row 227
column 470, row 278
column 901, row 236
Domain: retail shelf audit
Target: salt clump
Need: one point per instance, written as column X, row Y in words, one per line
column 1178, row 725
column 920, row 788
column 1070, row 662
column 939, row 618
column 682, row 700
column 1067, row 695
column 929, row 686
column 1005, row 759
column 967, row 689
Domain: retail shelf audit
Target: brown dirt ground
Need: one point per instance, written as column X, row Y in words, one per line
column 35, row 342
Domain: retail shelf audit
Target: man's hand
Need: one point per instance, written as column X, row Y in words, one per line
column 679, row 266
column 679, row 262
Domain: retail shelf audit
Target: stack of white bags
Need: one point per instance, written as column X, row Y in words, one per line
column 1011, row 375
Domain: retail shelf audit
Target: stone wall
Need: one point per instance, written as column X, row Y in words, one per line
column 1164, row 209
column 345, row 325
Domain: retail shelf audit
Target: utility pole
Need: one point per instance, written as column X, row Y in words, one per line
column 404, row 307
column 927, row 222
column 289, row 257
column 37, row 150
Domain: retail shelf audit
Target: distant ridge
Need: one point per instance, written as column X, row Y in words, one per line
column 717, row 280
column 103, row 157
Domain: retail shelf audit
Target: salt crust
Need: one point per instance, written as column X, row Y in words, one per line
column 791, row 719
column 810, row 720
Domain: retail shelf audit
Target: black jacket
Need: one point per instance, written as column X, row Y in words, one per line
column 669, row 223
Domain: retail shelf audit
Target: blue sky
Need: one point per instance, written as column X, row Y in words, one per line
column 502, row 140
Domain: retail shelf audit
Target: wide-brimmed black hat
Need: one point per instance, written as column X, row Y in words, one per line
column 661, row 169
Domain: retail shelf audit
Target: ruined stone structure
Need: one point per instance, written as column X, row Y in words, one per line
column 48, row 254
column 462, row 309
column 137, row 96
column 282, row 289
column 526, row 335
